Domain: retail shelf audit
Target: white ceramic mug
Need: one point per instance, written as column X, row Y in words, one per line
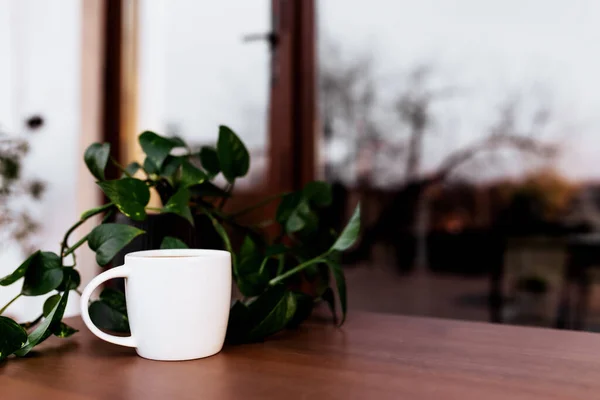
column 177, row 301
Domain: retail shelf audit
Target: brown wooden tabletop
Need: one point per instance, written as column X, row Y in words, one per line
column 372, row 357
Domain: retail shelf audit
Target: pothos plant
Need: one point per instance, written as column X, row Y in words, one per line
column 270, row 271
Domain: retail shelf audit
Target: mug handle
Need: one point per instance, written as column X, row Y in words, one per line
column 118, row 272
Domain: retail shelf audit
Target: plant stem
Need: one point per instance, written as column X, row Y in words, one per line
column 264, row 224
column 298, row 268
column 229, row 190
column 281, row 264
column 76, row 245
column 10, row 302
column 102, row 208
column 206, row 209
column 107, row 216
column 257, row 205
column 64, row 245
column 225, row 237
column 220, row 230
column 28, row 325
column 120, row 167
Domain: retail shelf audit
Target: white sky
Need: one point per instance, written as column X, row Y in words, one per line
column 543, row 50
column 488, row 49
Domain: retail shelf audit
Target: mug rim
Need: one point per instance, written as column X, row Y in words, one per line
column 176, row 253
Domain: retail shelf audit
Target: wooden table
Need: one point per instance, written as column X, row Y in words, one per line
column 372, row 357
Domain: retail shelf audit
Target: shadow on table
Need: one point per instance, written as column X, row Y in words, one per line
column 101, row 349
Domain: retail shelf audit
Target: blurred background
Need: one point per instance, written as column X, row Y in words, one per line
column 468, row 131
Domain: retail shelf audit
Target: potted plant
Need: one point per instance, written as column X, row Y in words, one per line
column 270, row 272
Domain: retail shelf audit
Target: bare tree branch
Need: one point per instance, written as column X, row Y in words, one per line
column 495, row 143
column 349, row 104
column 413, row 107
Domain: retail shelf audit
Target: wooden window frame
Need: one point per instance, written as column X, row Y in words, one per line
column 292, row 102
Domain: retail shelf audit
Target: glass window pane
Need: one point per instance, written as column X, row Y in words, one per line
column 197, row 72
column 458, row 123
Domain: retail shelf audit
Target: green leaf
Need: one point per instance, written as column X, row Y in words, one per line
column 150, row 167
column 210, row 160
column 350, row 232
column 170, row 242
column 301, row 218
column 295, row 223
column 110, row 311
column 50, row 304
column 340, row 281
column 96, row 158
column 294, row 211
column 225, row 237
column 64, row 331
column 20, row 271
column 223, row 234
column 304, row 307
column 276, row 249
column 280, row 264
column 108, row 239
column 156, row 147
column 170, row 166
column 329, row 297
column 106, row 317
column 43, row 275
column 252, row 284
column 132, row 168
column 12, row 337
column 48, row 325
column 191, row 175
column 115, row 299
column 271, row 312
column 130, row 195
column 208, row 189
column 179, row 204
column 318, row 193
column 248, row 249
column 295, row 214
column 234, row 158
column 71, row 275
column 251, row 280
column 177, row 141
column 288, row 204
column 272, row 251
column 96, row 210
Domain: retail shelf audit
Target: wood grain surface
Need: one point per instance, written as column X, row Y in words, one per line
column 372, row 357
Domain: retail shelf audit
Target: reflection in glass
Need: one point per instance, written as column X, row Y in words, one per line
column 468, row 130
column 196, row 72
